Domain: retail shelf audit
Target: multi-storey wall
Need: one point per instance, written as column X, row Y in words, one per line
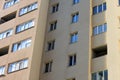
column 56, row 63
column 26, row 39
column 59, row 40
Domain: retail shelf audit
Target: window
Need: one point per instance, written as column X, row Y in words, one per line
column 71, row 79
column 2, row 70
column 95, row 10
column 18, row 65
column 28, row 8
column 75, row 1
column 72, row 60
column 51, row 45
column 119, row 2
column 100, row 8
column 4, row 50
column 101, row 75
column 24, row 26
column 8, row 17
column 55, row 8
column 74, row 37
column 6, row 34
column 53, row 26
column 100, row 29
column 101, row 51
column 48, row 67
column 75, row 17
column 104, row 6
column 10, row 3
column 21, row 45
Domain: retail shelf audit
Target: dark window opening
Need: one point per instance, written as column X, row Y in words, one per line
column 101, row 51
column 4, row 51
column 8, row 17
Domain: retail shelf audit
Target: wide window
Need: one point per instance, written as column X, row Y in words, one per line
column 21, row 45
column 25, row 26
column 100, row 29
column 28, row 8
column 99, row 8
column 101, row 75
column 18, row 65
column 10, row 3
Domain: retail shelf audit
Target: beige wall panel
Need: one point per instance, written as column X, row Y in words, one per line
column 99, row 40
column 99, row 64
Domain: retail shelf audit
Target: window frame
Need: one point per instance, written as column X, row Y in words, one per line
column 72, row 59
column 75, row 17
column 17, row 65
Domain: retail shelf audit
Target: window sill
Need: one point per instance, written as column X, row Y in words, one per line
column 17, row 70
column 2, row 75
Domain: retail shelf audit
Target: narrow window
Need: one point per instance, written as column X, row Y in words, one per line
column 75, row 17
column 2, row 70
column 48, row 67
column 74, row 37
column 55, row 8
column 51, row 45
column 53, row 26
column 72, row 60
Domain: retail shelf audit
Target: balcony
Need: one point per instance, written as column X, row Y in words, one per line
column 8, row 17
column 99, row 40
column 99, row 63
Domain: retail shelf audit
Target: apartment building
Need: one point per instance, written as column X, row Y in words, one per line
column 22, row 29
column 59, row 40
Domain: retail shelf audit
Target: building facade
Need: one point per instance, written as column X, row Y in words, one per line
column 59, row 40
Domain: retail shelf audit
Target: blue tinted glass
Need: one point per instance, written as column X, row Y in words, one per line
column 100, row 8
column 105, row 75
column 99, row 29
column 70, row 61
column 104, row 6
column 105, row 27
column 75, row 18
column 95, row 10
column 76, row 37
column 94, row 76
column 119, row 2
column 75, row 1
column 95, row 31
